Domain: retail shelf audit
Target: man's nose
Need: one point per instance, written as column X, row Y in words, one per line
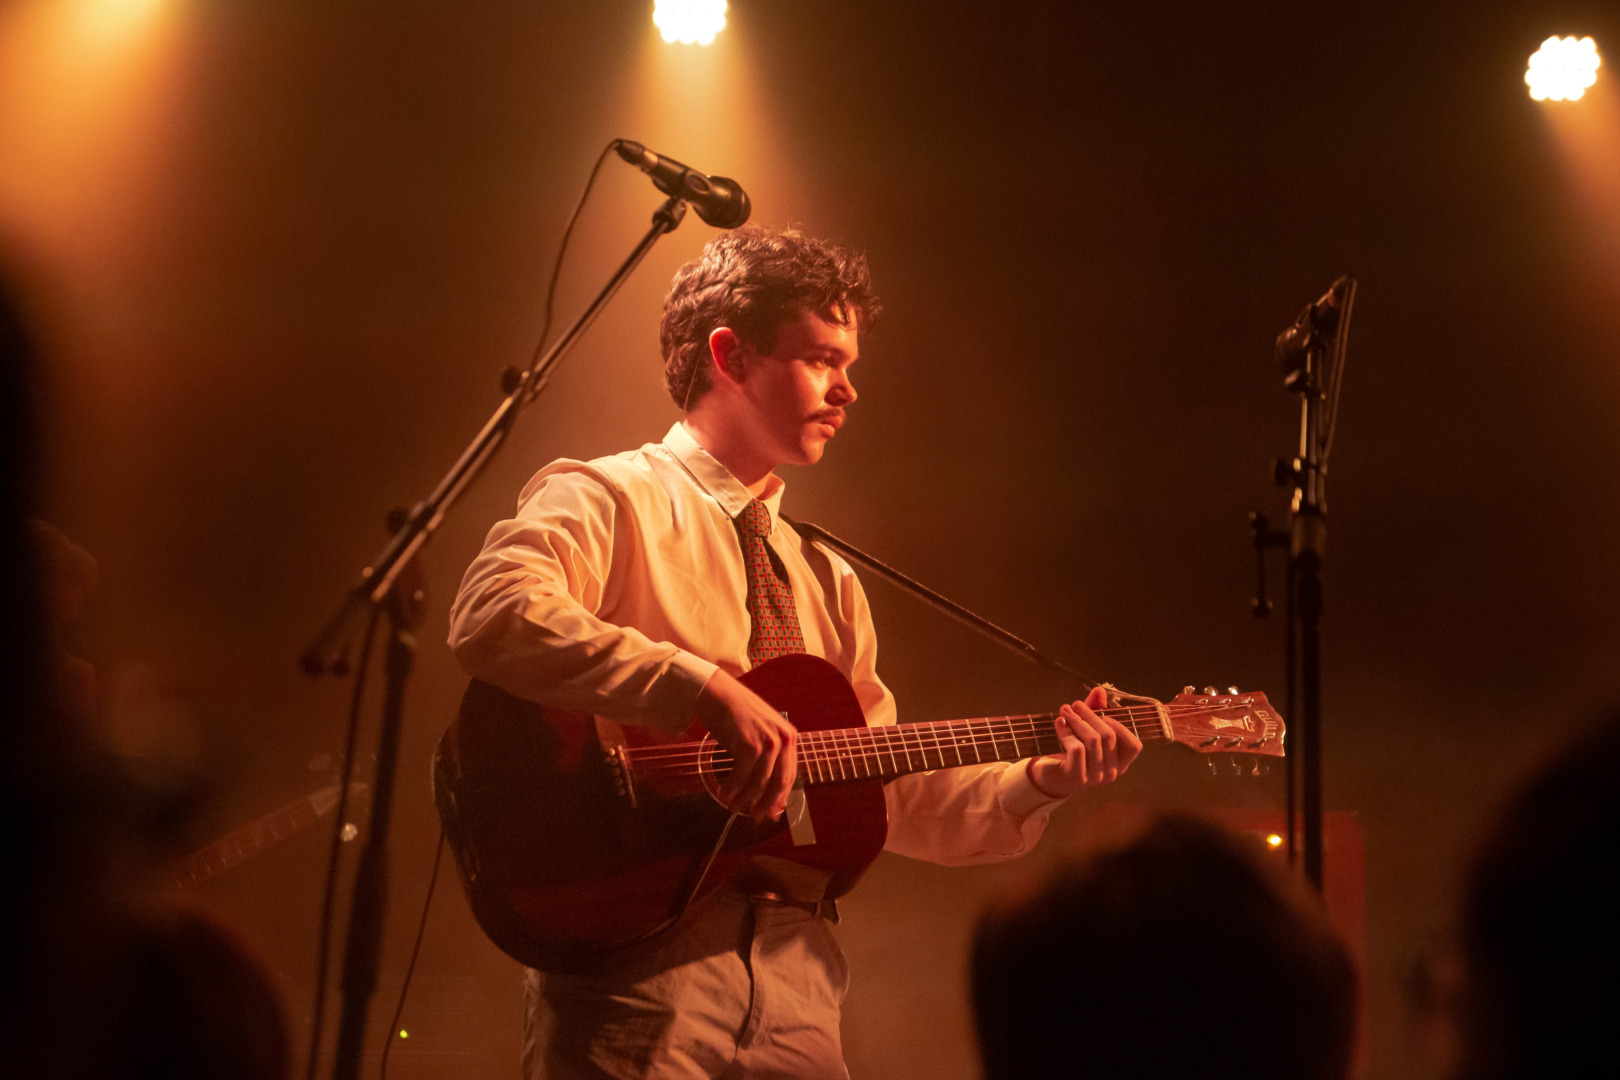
column 842, row 391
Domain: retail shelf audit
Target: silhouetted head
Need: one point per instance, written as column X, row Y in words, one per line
column 1541, row 947
column 1180, row 955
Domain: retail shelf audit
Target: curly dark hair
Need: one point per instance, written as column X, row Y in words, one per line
column 753, row 280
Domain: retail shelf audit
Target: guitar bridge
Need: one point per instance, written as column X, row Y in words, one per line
column 623, row 780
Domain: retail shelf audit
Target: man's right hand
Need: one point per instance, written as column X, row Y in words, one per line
column 763, row 746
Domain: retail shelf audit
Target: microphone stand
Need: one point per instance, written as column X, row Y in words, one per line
column 1306, row 541
column 392, row 587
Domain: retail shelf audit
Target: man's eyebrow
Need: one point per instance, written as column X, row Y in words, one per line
column 834, row 350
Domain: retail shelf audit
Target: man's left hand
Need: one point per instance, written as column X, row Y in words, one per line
column 1097, row 749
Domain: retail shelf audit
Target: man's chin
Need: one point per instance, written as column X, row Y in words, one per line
column 810, row 451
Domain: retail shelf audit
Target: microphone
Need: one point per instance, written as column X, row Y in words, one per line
column 719, row 200
column 1320, row 317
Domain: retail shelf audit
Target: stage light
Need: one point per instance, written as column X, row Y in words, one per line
column 1563, row 68
column 404, row 1034
column 1274, row 840
column 691, row 22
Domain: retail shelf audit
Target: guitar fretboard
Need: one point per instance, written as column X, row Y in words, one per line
column 840, row 755
column 881, row 753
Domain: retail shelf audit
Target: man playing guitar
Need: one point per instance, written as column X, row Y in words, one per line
column 639, row 587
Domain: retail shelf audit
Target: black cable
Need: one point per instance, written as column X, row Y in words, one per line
column 410, row 968
column 562, row 249
column 323, row 952
column 1341, row 341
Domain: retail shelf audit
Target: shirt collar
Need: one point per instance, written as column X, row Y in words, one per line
column 716, row 479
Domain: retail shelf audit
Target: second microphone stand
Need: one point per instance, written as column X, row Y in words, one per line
column 1312, row 353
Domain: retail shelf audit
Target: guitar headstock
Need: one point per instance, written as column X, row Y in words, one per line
column 1230, row 723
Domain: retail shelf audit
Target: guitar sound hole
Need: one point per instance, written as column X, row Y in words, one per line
column 714, row 766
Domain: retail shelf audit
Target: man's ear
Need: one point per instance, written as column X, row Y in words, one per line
column 726, row 350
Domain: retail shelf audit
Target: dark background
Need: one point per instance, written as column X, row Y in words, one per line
column 279, row 254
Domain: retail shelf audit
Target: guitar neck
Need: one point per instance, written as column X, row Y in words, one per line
column 244, row 843
column 882, row 753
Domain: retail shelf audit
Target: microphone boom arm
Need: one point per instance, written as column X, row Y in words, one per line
column 938, row 602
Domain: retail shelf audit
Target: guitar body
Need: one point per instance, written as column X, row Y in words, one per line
column 562, row 868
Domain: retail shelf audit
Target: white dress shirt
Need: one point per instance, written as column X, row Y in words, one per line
column 619, row 587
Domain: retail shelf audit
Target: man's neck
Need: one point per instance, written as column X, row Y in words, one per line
column 731, row 449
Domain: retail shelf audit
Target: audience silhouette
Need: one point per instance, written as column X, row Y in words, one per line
column 1180, row 955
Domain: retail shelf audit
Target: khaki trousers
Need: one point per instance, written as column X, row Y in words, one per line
column 748, row 987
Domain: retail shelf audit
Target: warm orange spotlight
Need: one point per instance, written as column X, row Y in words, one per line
column 1274, row 840
column 691, row 22
column 1563, row 68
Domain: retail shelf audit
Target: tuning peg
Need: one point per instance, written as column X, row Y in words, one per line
column 1232, row 690
column 1261, row 768
column 1210, row 691
column 1188, row 690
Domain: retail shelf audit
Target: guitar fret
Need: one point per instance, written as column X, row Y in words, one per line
column 894, row 766
column 864, row 761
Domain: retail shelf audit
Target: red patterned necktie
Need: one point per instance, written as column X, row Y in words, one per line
column 770, row 599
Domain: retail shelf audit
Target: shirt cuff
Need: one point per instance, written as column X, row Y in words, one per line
column 672, row 705
column 1020, row 797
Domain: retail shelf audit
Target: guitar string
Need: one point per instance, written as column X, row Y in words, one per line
column 823, row 748
column 935, row 733
column 823, row 753
column 1149, row 724
column 838, row 766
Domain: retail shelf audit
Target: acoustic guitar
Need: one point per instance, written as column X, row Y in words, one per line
column 575, row 839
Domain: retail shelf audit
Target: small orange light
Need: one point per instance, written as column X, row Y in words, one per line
column 1274, row 840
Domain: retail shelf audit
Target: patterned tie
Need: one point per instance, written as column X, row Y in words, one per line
column 770, row 599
